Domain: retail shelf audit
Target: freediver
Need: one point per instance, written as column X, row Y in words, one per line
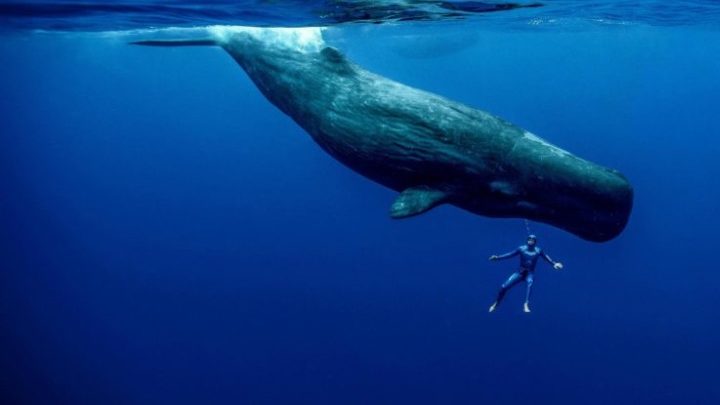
column 529, row 254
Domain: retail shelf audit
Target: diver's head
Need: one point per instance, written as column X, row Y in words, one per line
column 531, row 240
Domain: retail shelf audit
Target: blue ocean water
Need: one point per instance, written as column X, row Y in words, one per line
column 168, row 236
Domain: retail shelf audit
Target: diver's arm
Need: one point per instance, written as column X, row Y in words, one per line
column 546, row 257
column 506, row 255
column 556, row 265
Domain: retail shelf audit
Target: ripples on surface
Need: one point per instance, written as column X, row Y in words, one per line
column 117, row 15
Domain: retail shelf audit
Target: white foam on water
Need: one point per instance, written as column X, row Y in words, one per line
column 304, row 39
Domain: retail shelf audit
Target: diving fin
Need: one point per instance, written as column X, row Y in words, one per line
column 416, row 200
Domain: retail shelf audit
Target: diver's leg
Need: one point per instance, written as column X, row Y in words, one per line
column 529, row 281
column 508, row 284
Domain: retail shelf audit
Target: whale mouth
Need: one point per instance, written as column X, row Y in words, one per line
column 601, row 228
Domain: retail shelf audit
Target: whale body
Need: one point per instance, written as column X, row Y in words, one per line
column 430, row 149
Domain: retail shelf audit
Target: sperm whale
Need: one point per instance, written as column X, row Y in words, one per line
column 430, row 149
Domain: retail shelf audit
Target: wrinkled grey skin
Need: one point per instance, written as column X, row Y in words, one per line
column 431, row 149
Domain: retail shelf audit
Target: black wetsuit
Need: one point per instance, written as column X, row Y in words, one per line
column 528, row 259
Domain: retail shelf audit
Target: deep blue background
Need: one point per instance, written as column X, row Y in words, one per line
column 167, row 236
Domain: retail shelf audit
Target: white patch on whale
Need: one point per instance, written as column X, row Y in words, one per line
column 305, row 39
column 554, row 149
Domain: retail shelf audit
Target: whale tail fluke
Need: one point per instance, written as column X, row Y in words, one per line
column 176, row 42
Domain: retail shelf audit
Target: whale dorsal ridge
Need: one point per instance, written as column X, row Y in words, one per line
column 337, row 60
column 333, row 55
column 416, row 200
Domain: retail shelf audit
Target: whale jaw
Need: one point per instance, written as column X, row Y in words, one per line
column 603, row 220
column 597, row 215
column 591, row 202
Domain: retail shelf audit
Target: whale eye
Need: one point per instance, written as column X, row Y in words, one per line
column 526, row 205
column 503, row 187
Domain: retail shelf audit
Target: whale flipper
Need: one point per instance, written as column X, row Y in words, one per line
column 416, row 200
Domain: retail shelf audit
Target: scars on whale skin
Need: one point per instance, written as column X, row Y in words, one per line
column 430, row 149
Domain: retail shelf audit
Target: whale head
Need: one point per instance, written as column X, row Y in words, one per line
column 553, row 186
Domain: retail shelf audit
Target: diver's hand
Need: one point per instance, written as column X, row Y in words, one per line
column 493, row 257
column 558, row 266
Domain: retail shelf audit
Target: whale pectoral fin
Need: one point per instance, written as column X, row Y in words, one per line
column 416, row 200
